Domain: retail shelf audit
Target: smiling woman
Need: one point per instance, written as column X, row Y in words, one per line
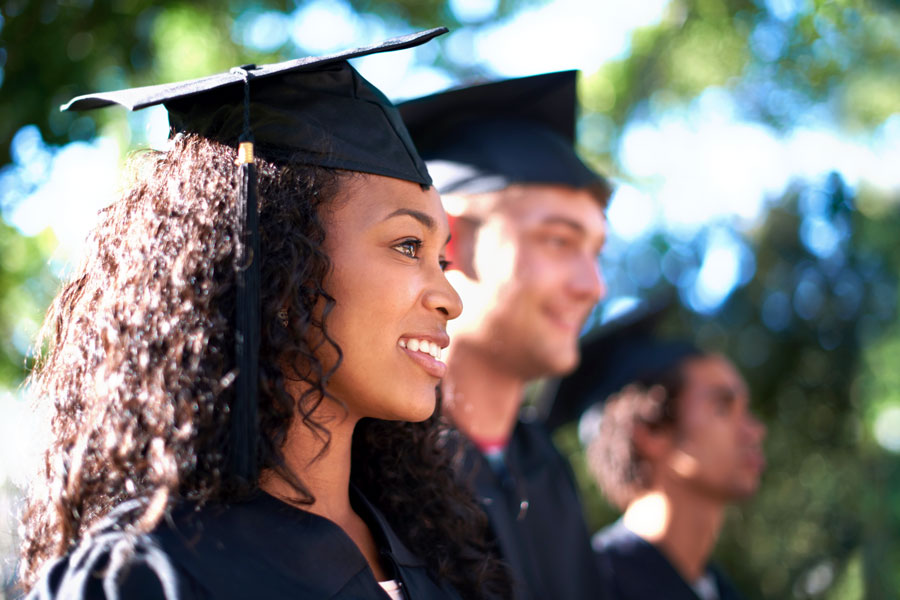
column 387, row 243
column 175, row 471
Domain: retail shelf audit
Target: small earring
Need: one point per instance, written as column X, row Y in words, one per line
column 282, row 317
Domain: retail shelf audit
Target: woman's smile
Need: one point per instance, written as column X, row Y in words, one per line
column 426, row 352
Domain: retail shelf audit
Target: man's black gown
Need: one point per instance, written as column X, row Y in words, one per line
column 263, row 548
column 536, row 517
column 636, row 570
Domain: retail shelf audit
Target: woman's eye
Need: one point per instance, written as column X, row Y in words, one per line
column 409, row 248
column 445, row 264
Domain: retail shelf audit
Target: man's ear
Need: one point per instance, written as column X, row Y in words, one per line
column 450, row 252
column 652, row 443
column 461, row 249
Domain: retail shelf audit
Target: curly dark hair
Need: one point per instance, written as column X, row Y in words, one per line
column 652, row 401
column 139, row 368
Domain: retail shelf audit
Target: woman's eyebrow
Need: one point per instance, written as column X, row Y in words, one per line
column 419, row 216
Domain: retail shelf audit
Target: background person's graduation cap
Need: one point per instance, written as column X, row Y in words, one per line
column 314, row 110
column 484, row 138
column 625, row 350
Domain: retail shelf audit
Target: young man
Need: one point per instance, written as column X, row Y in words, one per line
column 527, row 223
column 676, row 445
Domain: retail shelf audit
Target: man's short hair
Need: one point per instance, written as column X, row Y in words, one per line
column 617, row 465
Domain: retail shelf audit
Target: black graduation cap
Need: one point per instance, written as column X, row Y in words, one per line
column 313, row 110
column 625, row 350
column 486, row 137
column 316, row 110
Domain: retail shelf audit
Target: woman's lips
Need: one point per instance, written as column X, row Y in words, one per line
column 431, row 365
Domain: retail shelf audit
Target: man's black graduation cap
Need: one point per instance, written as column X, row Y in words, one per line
column 314, row 110
column 486, row 137
column 625, row 350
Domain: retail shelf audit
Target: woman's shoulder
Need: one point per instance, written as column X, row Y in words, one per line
column 258, row 548
column 114, row 561
column 112, row 565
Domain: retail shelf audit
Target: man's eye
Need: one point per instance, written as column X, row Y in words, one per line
column 409, row 247
column 723, row 401
column 558, row 241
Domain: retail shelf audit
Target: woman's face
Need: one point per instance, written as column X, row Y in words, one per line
column 386, row 239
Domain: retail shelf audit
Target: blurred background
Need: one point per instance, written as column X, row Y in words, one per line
column 755, row 146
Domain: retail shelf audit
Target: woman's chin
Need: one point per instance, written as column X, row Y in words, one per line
column 424, row 414
column 415, row 411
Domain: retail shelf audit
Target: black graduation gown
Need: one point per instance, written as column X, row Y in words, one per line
column 262, row 548
column 636, row 570
column 536, row 517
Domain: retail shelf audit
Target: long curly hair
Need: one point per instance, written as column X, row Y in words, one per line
column 139, row 368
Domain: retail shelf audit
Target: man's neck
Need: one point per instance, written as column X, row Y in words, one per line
column 481, row 397
column 682, row 525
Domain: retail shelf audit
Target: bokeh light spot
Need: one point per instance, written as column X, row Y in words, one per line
column 631, row 212
column 820, row 236
column 325, row 26
column 808, row 299
column 776, row 311
column 265, row 31
column 887, row 428
column 642, row 263
column 719, row 272
column 473, row 11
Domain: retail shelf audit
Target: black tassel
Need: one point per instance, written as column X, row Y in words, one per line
column 244, row 411
column 244, row 421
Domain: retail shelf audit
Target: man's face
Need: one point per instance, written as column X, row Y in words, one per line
column 717, row 442
column 529, row 278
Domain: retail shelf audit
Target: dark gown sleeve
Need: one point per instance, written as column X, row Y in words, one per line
column 115, row 566
column 727, row 591
column 536, row 517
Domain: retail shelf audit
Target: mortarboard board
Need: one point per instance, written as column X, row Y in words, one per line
column 317, row 110
column 625, row 350
column 313, row 110
column 486, row 137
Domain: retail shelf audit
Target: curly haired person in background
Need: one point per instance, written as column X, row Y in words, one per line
column 677, row 443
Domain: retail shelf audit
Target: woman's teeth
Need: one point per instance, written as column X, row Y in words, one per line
column 422, row 346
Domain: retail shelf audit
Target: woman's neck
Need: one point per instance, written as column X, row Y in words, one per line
column 327, row 477
column 324, row 471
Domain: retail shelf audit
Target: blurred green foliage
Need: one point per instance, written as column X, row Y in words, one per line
column 51, row 51
column 782, row 61
column 813, row 331
column 26, row 289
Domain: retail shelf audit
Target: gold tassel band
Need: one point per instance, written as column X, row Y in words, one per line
column 245, row 153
